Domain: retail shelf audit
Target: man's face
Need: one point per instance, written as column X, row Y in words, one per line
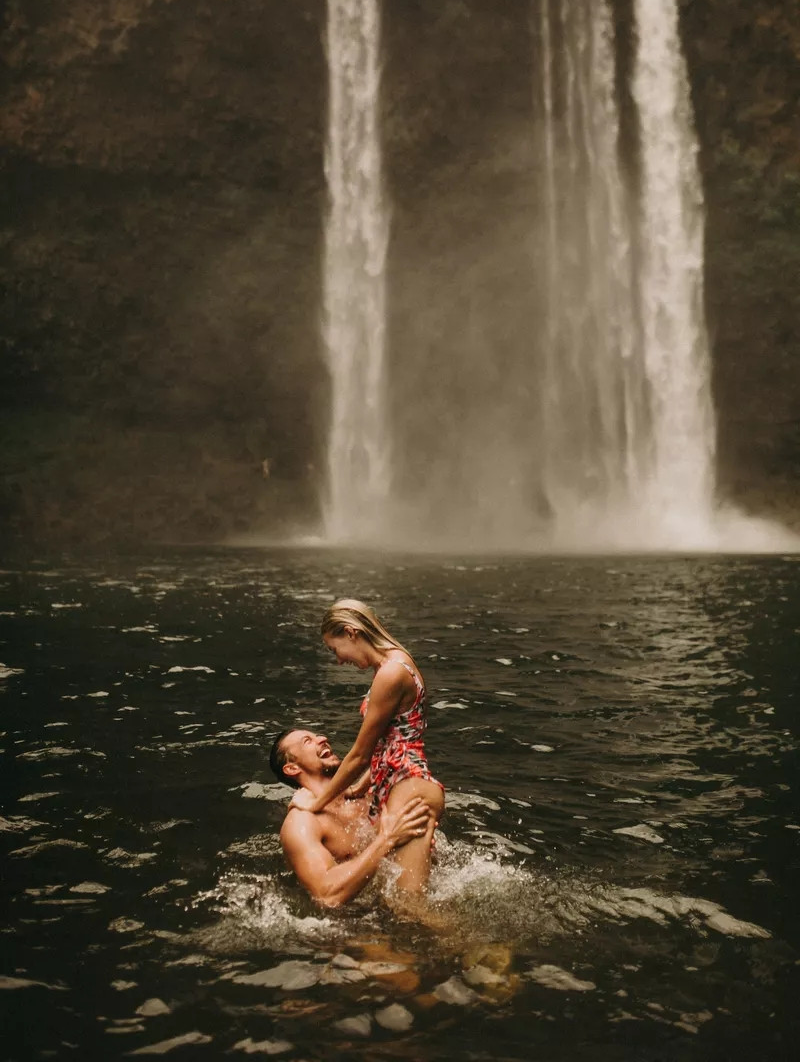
column 311, row 752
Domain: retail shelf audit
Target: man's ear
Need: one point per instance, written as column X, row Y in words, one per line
column 292, row 769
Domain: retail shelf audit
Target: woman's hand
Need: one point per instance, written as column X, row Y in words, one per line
column 304, row 800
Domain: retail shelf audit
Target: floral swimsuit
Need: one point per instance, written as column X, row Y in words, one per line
column 399, row 753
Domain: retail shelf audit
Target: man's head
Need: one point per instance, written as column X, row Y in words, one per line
column 297, row 755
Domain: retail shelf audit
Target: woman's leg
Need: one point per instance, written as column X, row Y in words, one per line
column 414, row 858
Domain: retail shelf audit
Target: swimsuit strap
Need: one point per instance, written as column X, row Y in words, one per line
column 412, row 673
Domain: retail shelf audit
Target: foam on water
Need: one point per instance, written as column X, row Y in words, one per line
column 476, row 895
column 260, row 903
column 490, row 896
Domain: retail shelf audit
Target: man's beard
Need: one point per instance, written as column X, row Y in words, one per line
column 330, row 769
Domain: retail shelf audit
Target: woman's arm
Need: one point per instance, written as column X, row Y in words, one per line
column 385, row 698
column 359, row 787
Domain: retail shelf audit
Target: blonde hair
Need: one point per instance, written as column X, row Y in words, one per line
column 348, row 612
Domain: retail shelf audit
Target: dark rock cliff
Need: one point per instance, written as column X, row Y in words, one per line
column 162, row 221
column 744, row 61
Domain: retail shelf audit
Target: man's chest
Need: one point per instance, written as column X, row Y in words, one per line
column 345, row 831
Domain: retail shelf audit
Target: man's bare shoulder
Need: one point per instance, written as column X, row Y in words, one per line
column 300, row 827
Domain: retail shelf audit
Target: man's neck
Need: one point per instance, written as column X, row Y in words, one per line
column 315, row 785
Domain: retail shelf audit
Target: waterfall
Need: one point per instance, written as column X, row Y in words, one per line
column 356, row 236
column 576, row 415
column 677, row 362
column 591, row 385
column 628, row 452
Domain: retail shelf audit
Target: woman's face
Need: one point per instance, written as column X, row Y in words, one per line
column 349, row 647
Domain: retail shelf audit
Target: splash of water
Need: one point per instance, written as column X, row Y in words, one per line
column 477, row 894
column 258, row 903
column 356, row 237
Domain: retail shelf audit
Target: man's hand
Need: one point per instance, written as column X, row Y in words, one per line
column 409, row 822
column 303, row 799
column 332, row 883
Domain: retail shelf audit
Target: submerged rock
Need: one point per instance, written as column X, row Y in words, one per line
column 262, row 1047
column 496, row 957
column 455, row 991
column 344, row 962
column 381, row 969
column 334, row 975
column 481, row 975
column 380, row 952
column 358, row 1025
column 395, row 1017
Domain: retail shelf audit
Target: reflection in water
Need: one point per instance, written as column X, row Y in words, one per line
column 614, row 875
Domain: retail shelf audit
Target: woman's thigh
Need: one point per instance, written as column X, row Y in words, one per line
column 414, row 859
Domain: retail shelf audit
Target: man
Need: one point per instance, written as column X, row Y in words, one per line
column 336, row 852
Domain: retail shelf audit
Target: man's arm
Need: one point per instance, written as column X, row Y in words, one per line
column 332, row 883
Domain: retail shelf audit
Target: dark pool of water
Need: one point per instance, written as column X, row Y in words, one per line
column 149, row 908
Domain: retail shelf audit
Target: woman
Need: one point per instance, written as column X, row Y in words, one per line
column 390, row 739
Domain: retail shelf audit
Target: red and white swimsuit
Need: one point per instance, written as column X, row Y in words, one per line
column 399, row 753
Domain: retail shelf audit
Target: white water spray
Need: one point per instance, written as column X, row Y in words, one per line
column 358, row 480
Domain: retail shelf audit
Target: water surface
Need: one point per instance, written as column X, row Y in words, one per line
column 618, row 866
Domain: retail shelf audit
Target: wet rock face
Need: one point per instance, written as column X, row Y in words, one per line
column 183, row 88
column 744, row 64
column 162, row 234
